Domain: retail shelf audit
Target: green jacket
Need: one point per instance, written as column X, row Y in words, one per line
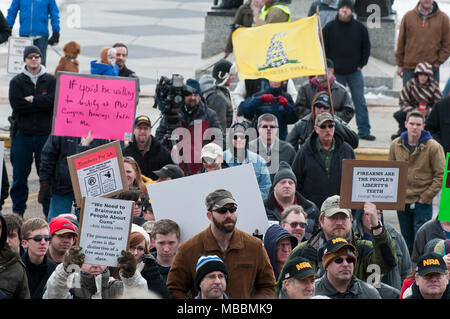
column 381, row 251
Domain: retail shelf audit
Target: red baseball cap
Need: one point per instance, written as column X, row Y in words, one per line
column 61, row 225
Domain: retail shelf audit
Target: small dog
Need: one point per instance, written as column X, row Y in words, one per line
column 69, row 62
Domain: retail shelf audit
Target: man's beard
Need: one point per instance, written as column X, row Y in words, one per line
column 222, row 228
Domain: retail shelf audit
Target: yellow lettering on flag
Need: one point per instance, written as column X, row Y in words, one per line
column 279, row 51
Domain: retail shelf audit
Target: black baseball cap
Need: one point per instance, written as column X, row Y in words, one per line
column 142, row 119
column 298, row 268
column 431, row 262
column 170, row 170
column 323, row 99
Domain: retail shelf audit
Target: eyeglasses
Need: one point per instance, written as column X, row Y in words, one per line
column 324, row 126
column 241, row 137
column 39, row 238
column 339, row 260
column 295, row 224
column 32, row 57
column 224, row 210
column 269, row 126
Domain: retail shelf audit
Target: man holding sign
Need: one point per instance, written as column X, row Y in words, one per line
column 426, row 163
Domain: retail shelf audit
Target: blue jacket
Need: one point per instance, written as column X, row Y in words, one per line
column 34, row 16
column 104, row 69
column 254, row 107
column 260, row 167
column 273, row 235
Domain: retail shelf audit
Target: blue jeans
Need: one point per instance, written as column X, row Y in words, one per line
column 355, row 82
column 408, row 74
column 42, row 43
column 410, row 221
column 60, row 204
column 23, row 147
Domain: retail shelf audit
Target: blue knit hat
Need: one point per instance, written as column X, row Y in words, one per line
column 192, row 86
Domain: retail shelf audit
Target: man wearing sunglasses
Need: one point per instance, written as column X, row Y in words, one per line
column 339, row 282
column 251, row 274
column 31, row 95
column 337, row 221
column 39, row 267
column 318, row 163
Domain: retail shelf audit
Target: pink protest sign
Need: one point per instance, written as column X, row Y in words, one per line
column 104, row 105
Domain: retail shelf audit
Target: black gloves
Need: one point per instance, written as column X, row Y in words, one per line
column 54, row 39
column 44, row 190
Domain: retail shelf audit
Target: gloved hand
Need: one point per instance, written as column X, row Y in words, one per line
column 127, row 264
column 73, row 256
column 54, row 39
column 44, row 190
column 151, row 270
column 283, row 101
column 267, row 98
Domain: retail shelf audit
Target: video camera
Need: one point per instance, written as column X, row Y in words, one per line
column 169, row 97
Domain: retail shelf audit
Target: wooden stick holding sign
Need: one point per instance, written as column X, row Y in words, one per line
column 380, row 182
column 105, row 226
column 98, row 172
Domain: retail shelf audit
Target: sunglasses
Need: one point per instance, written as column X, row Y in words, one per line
column 350, row 260
column 241, row 137
column 39, row 238
column 269, row 126
column 324, row 126
column 295, row 224
column 224, row 210
column 33, row 57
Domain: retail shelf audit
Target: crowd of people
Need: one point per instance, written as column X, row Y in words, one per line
column 312, row 247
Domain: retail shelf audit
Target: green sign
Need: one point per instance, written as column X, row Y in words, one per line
column 444, row 205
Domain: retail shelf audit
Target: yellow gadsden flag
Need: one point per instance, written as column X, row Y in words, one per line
column 279, row 51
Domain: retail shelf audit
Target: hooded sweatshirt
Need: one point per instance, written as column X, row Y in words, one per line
column 414, row 92
column 273, row 235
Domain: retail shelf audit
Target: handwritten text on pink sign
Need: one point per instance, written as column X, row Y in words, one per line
column 103, row 106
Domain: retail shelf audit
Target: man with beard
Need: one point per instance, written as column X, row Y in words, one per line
column 250, row 271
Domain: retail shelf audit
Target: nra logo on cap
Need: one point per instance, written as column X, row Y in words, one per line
column 303, row 265
column 339, row 240
column 428, row 262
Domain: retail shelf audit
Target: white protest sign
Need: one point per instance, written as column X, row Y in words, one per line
column 183, row 200
column 104, row 229
column 375, row 184
column 16, row 46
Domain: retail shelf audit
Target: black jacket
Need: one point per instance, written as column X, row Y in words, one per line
column 347, row 44
column 157, row 157
column 5, row 186
column 36, row 117
column 417, row 295
column 5, row 30
column 313, row 181
column 438, row 123
column 54, row 167
column 38, row 275
column 309, row 207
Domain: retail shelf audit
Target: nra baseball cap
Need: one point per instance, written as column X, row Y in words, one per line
column 61, row 225
column 298, row 268
column 431, row 262
column 336, row 246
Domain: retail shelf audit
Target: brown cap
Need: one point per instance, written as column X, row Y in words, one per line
column 219, row 198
